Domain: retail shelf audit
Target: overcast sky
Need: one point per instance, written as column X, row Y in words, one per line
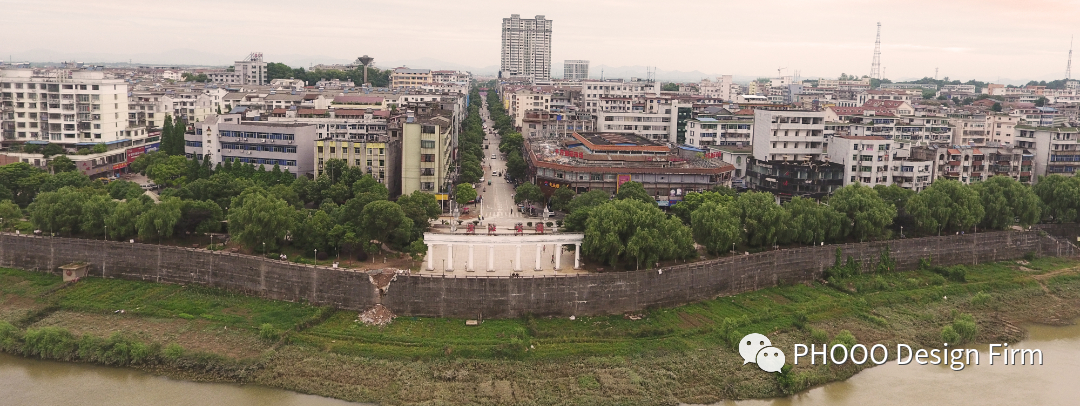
column 984, row 39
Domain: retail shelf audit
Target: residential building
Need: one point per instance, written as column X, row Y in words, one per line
column 65, row 107
column 1056, row 149
column 405, row 78
column 575, row 69
column 526, row 47
column 381, row 160
column 865, row 159
column 428, row 143
column 250, row 71
column 706, row 131
column 789, row 151
column 291, row 146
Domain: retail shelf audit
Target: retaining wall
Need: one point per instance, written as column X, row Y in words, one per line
column 498, row 297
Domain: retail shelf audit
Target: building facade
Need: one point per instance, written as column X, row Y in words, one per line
column 526, row 47
column 575, row 69
column 64, row 107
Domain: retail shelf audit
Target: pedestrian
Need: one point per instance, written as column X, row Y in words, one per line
column 552, row 259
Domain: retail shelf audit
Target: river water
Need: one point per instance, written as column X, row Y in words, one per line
column 1057, row 382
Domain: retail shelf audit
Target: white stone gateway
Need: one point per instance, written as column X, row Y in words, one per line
column 537, row 240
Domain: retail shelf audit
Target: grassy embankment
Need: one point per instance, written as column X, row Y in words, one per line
column 670, row 355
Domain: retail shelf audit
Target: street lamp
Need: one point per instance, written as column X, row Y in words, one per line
column 316, row 257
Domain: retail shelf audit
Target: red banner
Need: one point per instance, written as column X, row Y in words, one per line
column 133, row 153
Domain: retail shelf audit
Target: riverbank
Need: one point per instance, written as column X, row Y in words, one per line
column 662, row 356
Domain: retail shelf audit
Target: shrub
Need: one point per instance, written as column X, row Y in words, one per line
column 981, row 299
column 885, row 261
column 50, row 342
column 10, row 337
column 819, row 336
column 800, row 319
column 924, row 263
column 268, row 332
column 845, row 338
column 1030, row 256
column 588, row 382
column 549, row 224
column 529, row 224
column 949, row 335
column 965, row 327
column 937, row 280
column 173, row 352
column 953, row 273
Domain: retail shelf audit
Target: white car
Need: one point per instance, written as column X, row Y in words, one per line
column 492, row 156
column 494, row 173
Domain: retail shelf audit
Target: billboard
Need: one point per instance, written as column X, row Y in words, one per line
column 133, row 153
column 152, row 147
column 619, row 180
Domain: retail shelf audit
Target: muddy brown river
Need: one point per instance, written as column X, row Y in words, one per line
column 1057, row 382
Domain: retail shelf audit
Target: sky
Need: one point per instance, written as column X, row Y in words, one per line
column 990, row 40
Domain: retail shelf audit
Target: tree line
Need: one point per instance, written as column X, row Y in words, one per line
column 630, row 229
column 377, row 77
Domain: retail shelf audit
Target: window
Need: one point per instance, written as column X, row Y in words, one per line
column 427, row 158
column 427, row 144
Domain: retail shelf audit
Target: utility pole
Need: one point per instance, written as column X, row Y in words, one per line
column 875, row 67
column 1068, row 65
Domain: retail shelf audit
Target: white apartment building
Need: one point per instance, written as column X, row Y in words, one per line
column 65, row 107
column 575, row 69
column 250, row 71
column 657, row 126
column 723, row 88
column 526, row 47
column 291, row 146
column 707, row 131
column 615, row 96
column 789, row 135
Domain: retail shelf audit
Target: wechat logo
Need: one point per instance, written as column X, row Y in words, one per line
column 758, row 349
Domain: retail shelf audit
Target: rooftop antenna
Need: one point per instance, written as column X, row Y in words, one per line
column 1068, row 66
column 778, row 74
column 875, row 68
column 935, row 73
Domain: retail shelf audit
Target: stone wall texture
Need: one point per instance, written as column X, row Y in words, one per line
column 501, row 297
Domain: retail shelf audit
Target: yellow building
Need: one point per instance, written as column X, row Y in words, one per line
column 405, row 78
column 379, row 159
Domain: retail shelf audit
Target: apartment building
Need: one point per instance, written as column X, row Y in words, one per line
column 575, row 69
column 249, row 71
column 382, row 160
column 428, row 142
column 967, row 164
column 707, row 131
column 1056, row 149
column 865, row 159
column 656, row 126
column 723, row 88
column 788, row 155
column 405, row 78
column 526, row 47
column 539, row 124
column 291, row 146
column 64, row 107
column 615, row 96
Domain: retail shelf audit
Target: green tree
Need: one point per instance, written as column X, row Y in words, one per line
column 200, row 216
column 256, row 217
column 58, row 212
column 122, row 189
column 381, row 218
column 996, row 107
column 122, row 221
column 580, row 207
column 52, row 149
column 10, row 214
column 1041, row 101
column 638, row 231
column 315, row 233
column 61, row 164
column 1004, row 201
column 693, row 200
column 812, row 222
column 464, row 193
column 670, row 87
column 868, row 215
column 764, row 221
column 516, row 167
column 511, row 142
column 561, row 198
column 1060, row 195
column 23, row 181
column 634, row 190
column 169, row 172
column 528, row 192
column 421, row 208
column 368, row 190
column 894, row 195
column 946, row 205
column 717, row 226
column 65, row 179
column 95, row 211
column 159, row 220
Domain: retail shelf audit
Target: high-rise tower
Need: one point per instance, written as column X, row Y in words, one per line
column 875, row 68
column 526, row 47
column 1068, row 65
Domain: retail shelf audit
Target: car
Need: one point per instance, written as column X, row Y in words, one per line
column 494, row 173
column 492, row 156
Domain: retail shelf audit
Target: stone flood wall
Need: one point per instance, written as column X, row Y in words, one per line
column 500, row 297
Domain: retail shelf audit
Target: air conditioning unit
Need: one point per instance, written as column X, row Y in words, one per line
column 290, row 141
column 263, row 140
